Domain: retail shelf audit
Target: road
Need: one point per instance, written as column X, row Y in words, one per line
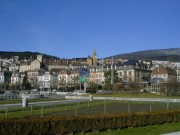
column 43, row 103
column 75, row 99
column 128, row 99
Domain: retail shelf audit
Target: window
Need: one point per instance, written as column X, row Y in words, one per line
column 125, row 73
column 130, row 73
column 120, row 73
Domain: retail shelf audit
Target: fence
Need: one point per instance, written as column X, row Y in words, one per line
column 88, row 108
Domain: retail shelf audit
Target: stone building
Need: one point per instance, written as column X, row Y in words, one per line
column 31, row 65
column 163, row 74
column 134, row 71
column 92, row 61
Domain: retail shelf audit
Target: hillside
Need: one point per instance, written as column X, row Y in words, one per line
column 25, row 55
column 172, row 54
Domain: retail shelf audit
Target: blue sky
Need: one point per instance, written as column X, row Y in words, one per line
column 74, row 28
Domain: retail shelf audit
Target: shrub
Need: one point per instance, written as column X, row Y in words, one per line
column 66, row 125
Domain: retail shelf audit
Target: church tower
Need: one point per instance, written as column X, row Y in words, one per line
column 94, row 58
column 39, row 57
column 89, row 60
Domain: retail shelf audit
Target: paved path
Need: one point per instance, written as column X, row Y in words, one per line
column 127, row 99
column 44, row 103
column 175, row 133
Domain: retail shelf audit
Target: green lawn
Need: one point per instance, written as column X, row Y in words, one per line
column 57, row 109
column 47, row 109
column 134, row 95
column 86, row 108
column 149, row 130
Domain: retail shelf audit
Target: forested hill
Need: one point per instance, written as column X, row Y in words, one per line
column 172, row 54
column 25, row 55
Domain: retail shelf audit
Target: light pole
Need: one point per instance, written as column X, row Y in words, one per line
column 177, row 74
column 112, row 72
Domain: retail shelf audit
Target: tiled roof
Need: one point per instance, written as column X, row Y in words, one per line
column 163, row 70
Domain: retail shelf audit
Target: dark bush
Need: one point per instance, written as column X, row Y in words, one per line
column 66, row 125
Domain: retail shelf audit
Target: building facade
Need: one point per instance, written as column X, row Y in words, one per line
column 134, row 71
column 163, row 74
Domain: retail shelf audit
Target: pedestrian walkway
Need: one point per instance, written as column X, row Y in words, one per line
column 174, row 133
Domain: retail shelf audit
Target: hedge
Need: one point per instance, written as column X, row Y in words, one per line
column 65, row 125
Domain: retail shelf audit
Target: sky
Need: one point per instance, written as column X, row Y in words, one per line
column 75, row 28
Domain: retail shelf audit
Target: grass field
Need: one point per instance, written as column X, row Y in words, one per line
column 87, row 108
column 63, row 109
column 149, row 130
column 100, row 107
column 134, row 95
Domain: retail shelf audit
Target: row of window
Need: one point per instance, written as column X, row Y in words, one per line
column 96, row 75
column 125, row 73
column 72, row 77
column 32, row 74
column 160, row 75
column 130, row 73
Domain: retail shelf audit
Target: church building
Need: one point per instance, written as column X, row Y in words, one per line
column 92, row 61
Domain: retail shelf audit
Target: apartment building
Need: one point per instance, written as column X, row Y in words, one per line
column 47, row 80
column 30, row 65
column 163, row 74
column 5, row 77
column 133, row 71
column 97, row 75
column 15, row 78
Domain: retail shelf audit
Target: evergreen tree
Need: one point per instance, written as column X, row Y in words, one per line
column 107, row 75
column 26, row 84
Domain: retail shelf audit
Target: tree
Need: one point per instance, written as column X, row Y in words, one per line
column 133, row 86
column 1, row 86
column 92, row 87
column 75, row 82
column 54, row 84
column 107, row 75
column 118, row 87
column 170, row 88
column 107, row 86
column 26, row 84
column 118, row 83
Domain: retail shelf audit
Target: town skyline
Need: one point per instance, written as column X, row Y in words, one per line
column 75, row 28
column 169, row 54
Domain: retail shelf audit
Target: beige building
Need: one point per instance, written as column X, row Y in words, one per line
column 92, row 61
column 97, row 75
column 68, row 77
column 133, row 71
column 39, row 58
column 163, row 74
column 34, row 65
column 25, row 66
column 33, row 77
column 15, row 78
